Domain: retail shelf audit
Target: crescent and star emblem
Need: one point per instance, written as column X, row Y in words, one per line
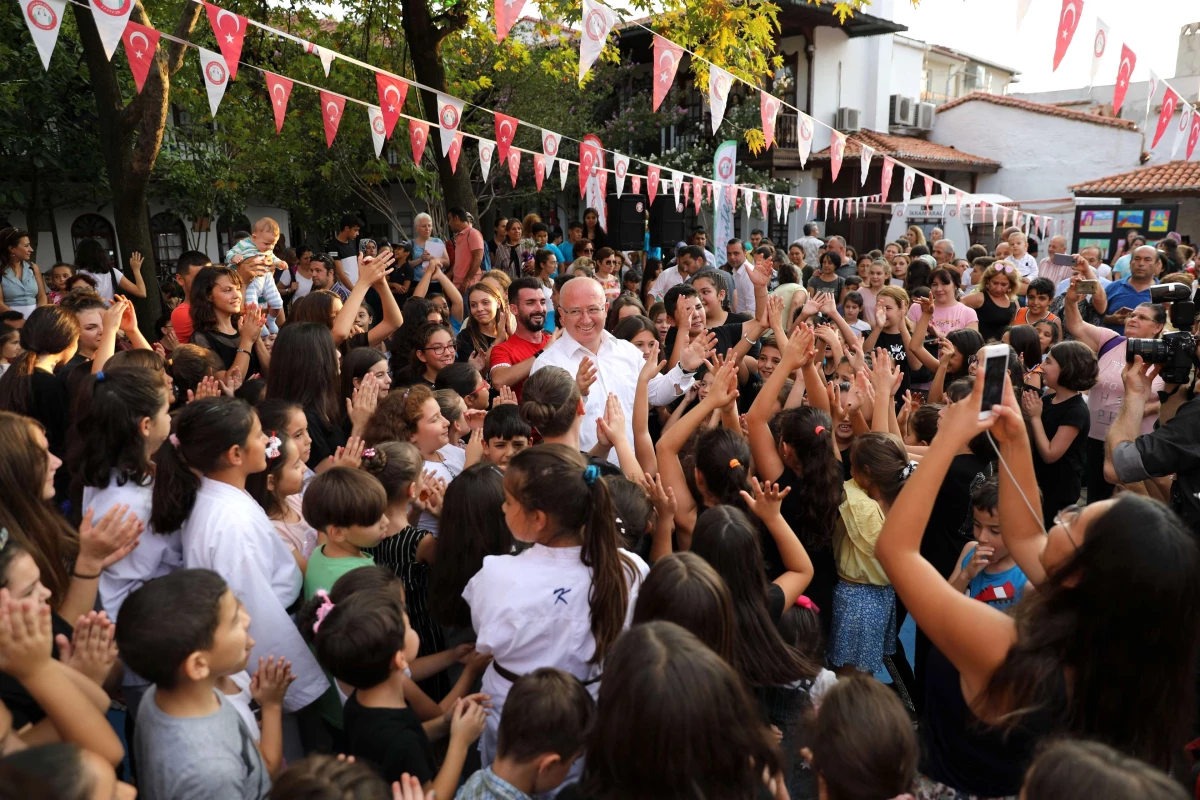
column 669, row 68
column 332, row 108
column 391, row 87
column 133, row 37
column 277, row 89
column 1074, row 18
column 1124, row 71
column 237, row 25
column 505, row 123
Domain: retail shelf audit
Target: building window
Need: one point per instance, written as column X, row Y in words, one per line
column 226, row 227
column 169, row 238
column 94, row 226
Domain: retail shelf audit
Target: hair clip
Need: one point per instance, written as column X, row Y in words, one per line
column 174, row 440
column 100, row 377
column 273, row 446
column 323, row 609
column 804, row 602
column 1004, row 267
column 734, row 463
column 3, row 538
column 819, row 430
column 907, row 470
column 590, row 474
column 369, row 452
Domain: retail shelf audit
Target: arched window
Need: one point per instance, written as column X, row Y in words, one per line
column 170, row 239
column 94, row 226
column 226, row 227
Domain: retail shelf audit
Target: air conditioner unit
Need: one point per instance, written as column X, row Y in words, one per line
column 925, row 113
column 903, row 111
column 847, row 120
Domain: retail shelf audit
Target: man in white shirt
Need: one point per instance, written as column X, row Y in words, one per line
column 811, row 245
column 687, row 263
column 617, row 362
column 700, row 239
column 936, row 235
column 1025, row 263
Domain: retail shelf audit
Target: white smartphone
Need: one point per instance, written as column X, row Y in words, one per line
column 995, row 368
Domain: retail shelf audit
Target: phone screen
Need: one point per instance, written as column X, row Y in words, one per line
column 1064, row 259
column 931, row 346
column 994, row 370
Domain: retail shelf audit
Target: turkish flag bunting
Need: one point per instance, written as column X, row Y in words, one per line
column 666, row 61
column 636, row 183
column 539, row 169
column 687, row 193
column 762, row 204
column 864, row 161
column 141, row 43
column 279, row 89
column 1068, row 21
column 1169, row 104
column 507, row 12
column 418, row 136
column 1124, row 74
column 455, row 151
column 44, row 19
column 837, row 148
column 563, row 167
column 1194, row 136
column 696, row 187
column 378, row 134
column 652, row 174
column 392, row 92
column 550, row 141
column 708, row 191
column 230, row 30
column 486, row 151
column 768, row 110
column 514, row 164
column 885, row 179
column 928, row 190
column 331, row 114
column 506, row 130
column 589, row 163
column 958, row 196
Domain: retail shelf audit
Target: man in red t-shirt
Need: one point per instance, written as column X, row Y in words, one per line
column 468, row 249
column 513, row 358
column 186, row 269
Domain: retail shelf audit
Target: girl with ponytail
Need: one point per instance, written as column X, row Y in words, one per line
column 200, row 491
column 564, row 601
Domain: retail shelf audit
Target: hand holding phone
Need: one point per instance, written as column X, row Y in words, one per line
column 1087, row 287
column 1063, row 259
column 995, row 368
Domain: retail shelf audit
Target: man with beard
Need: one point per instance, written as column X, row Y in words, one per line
column 513, row 358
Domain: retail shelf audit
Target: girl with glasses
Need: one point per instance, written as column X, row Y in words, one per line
column 434, row 350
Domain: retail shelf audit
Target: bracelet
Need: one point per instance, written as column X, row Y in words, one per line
column 242, row 350
column 75, row 574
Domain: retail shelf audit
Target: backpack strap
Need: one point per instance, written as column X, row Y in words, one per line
column 1109, row 345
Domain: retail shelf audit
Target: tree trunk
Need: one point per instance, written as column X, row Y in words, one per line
column 424, row 38
column 131, row 136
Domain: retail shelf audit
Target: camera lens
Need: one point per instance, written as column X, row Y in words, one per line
column 1152, row 351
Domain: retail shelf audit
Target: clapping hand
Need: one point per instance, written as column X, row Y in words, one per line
column 767, row 499
column 611, row 427
column 1032, row 404
column 350, row 455
column 233, row 381
column 92, row 649
column 270, row 683
column 106, row 541
column 361, row 405
column 25, row 636
column 207, row 387
column 586, row 375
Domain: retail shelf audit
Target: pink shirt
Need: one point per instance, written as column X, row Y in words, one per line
column 946, row 319
column 1105, row 398
column 466, row 242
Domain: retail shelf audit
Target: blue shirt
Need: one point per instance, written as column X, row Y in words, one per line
column 568, row 252
column 485, row 785
column 553, row 248
column 999, row 589
column 1122, row 295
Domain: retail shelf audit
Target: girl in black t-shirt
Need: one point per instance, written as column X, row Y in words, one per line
column 893, row 332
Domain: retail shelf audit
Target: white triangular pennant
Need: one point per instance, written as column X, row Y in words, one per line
column 864, row 162
column 110, row 17
column 216, row 77
column 550, row 141
column 563, row 166
column 620, row 169
column 449, row 119
column 597, row 21
column 378, row 129
column 804, row 136
column 487, row 149
column 44, row 18
column 719, row 84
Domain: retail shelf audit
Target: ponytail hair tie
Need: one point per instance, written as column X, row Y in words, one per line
column 907, row 470
column 100, row 377
column 819, row 430
column 591, row 474
column 174, row 440
column 323, row 609
column 734, row 463
column 805, row 602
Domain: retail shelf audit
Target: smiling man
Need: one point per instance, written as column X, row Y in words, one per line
column 512, row 359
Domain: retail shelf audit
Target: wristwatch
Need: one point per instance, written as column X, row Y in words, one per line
column 685, row 371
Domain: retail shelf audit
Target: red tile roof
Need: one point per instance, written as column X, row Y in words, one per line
column 1173, row 177
column 1039, row 108
column 909, row 148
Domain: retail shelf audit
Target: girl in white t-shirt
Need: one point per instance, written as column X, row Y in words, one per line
column 563, row 602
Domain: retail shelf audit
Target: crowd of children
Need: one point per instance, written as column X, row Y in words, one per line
column 492, row 547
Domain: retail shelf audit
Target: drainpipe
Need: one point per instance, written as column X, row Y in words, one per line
column 809, row 50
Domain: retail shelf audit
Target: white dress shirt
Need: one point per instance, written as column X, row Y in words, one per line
column 666, row 279
column 618, row 364
column 745, row 290
column 1026, row 265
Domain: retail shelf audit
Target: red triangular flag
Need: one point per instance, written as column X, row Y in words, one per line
column 539, row 169
column 392, row 92
column 1194, row 136
column 1124, row 74
column 506, row 131
column 589, row 164
column 455, row 150
column 636, row 182
column 666, row 61
column 1068, row 21
column 885, row 178
column 418, row 135
column 331, row 114
column 652, row 174
column 141, row 43
column 928, row 190
column 507, row 12
column 279, row 89
column 837, row 149
column 230, row 30
column 708, row 191
column 604, row 185
column 768, row 109
column 1169, row 104
column 762, row 204
column 696, row 184
column 514, row 164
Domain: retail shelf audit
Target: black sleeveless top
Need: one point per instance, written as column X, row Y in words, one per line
column 993, row 318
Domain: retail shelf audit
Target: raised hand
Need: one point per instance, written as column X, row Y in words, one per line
column 881, row 319
column 253, row 320
column 775, row 315
column 361, row 405
column 474, row 418
column 767, row 499
column 652, row 365
column 25, row 636
column 92, row 649
column 270, row 683
column 506, row 397
column 828, row 304
column 611, row 426
column 926, row 304
column 812, row 305
column 799, row 349
column 111, row 317
column 661, row 495
column 350, row 455
column 724, row 387
column 375, row 270
column 233, row 381
column 409, row 788
column 136, row 259
column 106, row 541
column 586, row 375
column 207, row 387
column 946, row 350
column 697, row 350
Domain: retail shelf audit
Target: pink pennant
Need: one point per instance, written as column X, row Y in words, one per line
column 652, row 178
column 708, row 191
column 514, row 164
column 928, row 191
column 837, row 149
column 141, row 43
column 696, row 187
column 230, row 30
column 885, row 178
column 666, row 61
column 762, row 204
column 455, row 151
column 506, row 12
column 604, row 184
column 589, row 164
column 768, row 111
column 506, row 131
column 539, row 169
column 636, row 180
column 279, row 89
column 392, row 92
column 958, row 196
column 418, row 136
column 331, row 114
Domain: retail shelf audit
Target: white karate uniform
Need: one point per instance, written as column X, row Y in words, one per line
column 230, row 534
column 454, row 462
column 531, row 610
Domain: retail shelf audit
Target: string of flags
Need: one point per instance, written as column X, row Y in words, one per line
column 44, row 17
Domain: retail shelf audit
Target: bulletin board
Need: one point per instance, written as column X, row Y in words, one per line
column 1107, row 227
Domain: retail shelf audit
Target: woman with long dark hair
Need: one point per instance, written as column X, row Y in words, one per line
column 306, row 373
column 487, row 323
column 221, row 325
column 433, row 350
column 1077, row 656
column 21, row 285
column 29, row 386
column 592, row 230
column 92, row 259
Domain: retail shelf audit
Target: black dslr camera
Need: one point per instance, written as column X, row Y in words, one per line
column 1175, row 351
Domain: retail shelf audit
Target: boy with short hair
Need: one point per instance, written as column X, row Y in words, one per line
column 504, row 434
column 1037, row 298
column 539, row 743
column 187, row 634
column 348, row 506
column 541, row 238
column 254, row 259
column 986, row 571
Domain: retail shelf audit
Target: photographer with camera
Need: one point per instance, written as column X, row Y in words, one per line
column 1173, row 448
column 1105, row 399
